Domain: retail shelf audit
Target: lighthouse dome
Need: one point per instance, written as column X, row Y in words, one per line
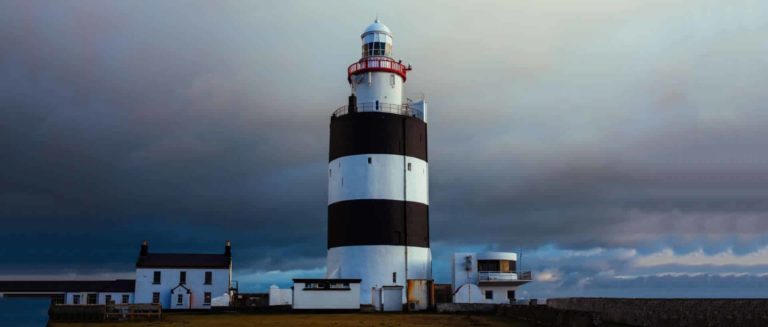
column 377, row 27
column 377, row 40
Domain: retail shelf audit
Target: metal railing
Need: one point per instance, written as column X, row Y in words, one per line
column 378, row 64
column 504, row 276
column 398, row 109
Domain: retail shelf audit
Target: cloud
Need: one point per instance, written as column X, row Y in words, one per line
column 700, row 258
column 600, row 137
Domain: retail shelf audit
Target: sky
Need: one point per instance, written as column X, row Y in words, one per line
column 620, row 145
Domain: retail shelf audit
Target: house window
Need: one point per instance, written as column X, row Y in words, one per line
column 58, row 299
column 511, row 295
column 207, row 298
column 179, row 299
column 156, row 277
column 489, row 295
column 107, row 299
column 182, row 277
column 156, row 297
column 125, row 298
column 92, row 298
column 208, row 278
column 76, row 299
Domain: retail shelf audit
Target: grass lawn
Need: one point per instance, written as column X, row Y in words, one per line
column 313, row 320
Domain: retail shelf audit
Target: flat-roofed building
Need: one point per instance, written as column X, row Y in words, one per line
column 488, row 277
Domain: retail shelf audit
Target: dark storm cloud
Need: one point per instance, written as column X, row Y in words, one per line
column 591, row 125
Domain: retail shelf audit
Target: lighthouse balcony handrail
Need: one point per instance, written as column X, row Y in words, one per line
column 378, row 63
column 392, row 108
column 504, row 276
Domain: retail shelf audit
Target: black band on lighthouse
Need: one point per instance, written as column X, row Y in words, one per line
column 378, row 133
column 378, row 222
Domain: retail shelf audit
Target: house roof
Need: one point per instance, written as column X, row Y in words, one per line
column 183, row 260
column 54, row 286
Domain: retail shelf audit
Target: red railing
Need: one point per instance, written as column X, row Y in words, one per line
column 377, row 64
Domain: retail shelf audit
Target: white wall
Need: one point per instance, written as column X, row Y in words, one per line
column 374, row 264
column 460, row 276
column 279, row 296
column 170, row 279
column 326, row 299
column 382, row 179
column 372, row 86
column 499, row 293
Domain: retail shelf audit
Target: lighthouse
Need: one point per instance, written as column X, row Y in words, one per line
column 378, row 177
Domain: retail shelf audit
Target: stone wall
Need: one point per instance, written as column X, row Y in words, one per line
column 671, row 312
column 542, row 315
column 466, row 307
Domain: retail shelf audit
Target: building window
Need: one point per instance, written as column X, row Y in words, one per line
column 409, row 166
column 326, row 285
column 394, row 277
column 92, row 298
column 179, row 299
column 107, row 299
column 76, row 299
column 156, row 277
column 208, row 278
column 207, row 298
column 511, row 295
column 489, row 295
column 369, row 160
column 58, row 299
column 125, row 298
column 182, row 277
column 156, row 297
column 488, row 265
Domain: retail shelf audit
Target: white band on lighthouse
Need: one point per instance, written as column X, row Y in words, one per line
column 378, row 176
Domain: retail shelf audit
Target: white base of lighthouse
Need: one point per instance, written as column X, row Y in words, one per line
column 375, row 265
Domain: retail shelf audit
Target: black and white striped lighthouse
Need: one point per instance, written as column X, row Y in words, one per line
column 378, row 177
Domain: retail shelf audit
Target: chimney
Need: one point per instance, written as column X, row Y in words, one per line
column 144, row 248
column 228, row 249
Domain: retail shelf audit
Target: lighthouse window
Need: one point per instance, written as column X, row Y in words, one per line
column 375, row 49
column 369, row 160
column 409, row 166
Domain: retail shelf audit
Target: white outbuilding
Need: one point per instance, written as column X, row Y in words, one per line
column 326, row 294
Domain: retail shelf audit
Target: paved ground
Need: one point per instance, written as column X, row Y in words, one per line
column 317, row 320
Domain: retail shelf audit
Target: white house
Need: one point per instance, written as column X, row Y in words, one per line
column 326, row 294
column 119, row 291
column 183, row 280
column 489, row 277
